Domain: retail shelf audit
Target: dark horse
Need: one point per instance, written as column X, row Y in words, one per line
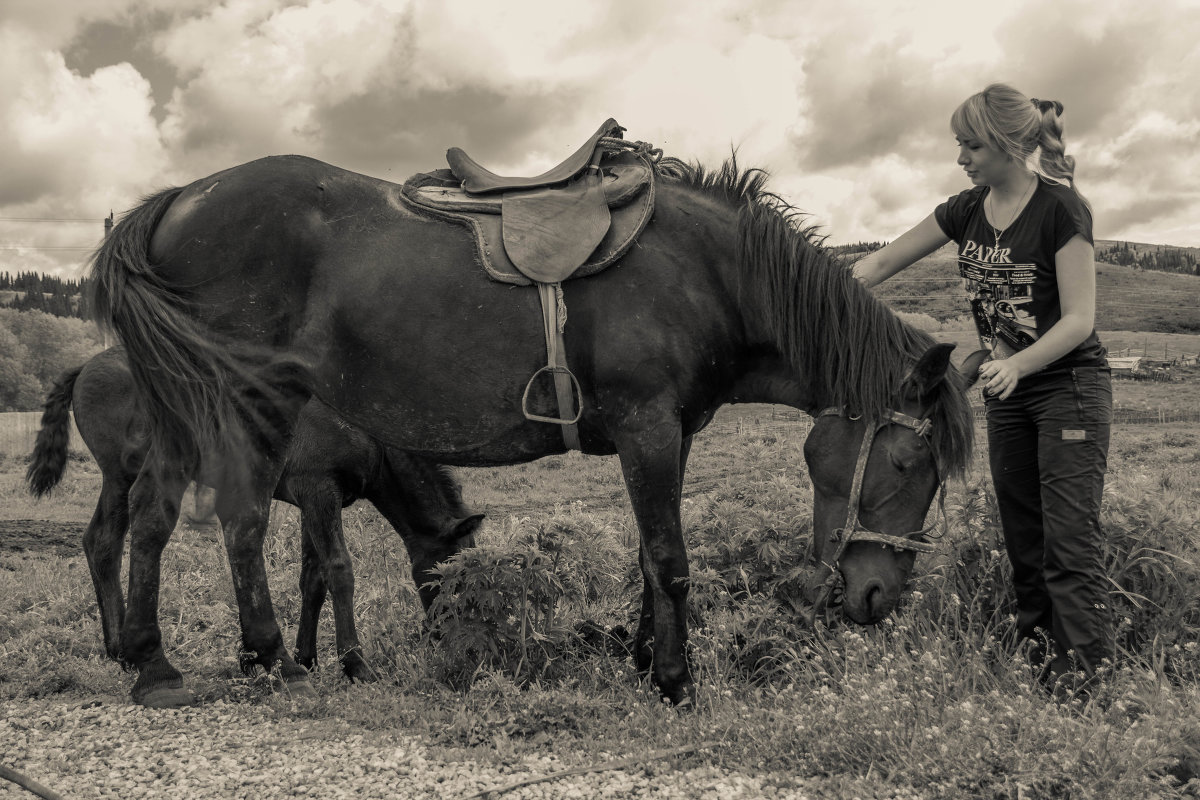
column 329, row 466
column 725, row 298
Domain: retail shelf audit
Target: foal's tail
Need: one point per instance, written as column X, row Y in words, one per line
column 201, row 393
column 49, row 459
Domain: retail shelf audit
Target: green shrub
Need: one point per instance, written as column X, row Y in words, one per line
column 499, row 609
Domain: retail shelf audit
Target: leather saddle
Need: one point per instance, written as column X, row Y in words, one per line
column 571, row 221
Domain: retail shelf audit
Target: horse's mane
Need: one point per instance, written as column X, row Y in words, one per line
column 852, row 347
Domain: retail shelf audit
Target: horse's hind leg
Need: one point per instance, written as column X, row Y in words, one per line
column 154, row 502
column 312, row 599
column 243, row 505
column 327, row 567
column 102, row 543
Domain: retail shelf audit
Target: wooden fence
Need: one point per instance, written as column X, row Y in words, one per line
column 18, row 429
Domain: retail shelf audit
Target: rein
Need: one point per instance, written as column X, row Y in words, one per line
column 853, row 530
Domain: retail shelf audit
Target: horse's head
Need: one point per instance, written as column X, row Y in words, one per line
column 428, row 547
column 873, row 482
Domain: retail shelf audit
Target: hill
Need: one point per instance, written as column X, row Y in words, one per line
column 1128, row 298
column 1163, row 258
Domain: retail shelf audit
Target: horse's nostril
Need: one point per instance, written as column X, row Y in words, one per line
column 876, row 602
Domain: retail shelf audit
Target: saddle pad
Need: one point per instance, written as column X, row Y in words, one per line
column 629, row 192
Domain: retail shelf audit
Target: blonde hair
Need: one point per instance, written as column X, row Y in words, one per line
column 1026, row 129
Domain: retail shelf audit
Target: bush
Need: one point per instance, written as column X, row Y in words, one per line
column 499, row 609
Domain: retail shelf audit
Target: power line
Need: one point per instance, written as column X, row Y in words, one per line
column 37, row 247
column 1113, row 301
column 52, row 219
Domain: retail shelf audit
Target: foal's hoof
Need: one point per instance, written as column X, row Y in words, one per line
column 163, row 697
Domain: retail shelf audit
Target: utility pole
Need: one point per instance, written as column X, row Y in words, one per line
column 108, row 226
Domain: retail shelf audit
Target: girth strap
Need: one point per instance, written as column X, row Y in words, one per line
column 566, row 387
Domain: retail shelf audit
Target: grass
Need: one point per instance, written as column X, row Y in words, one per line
column 933, row 703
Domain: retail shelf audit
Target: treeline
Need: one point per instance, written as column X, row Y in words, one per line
column 1155, row 257
column 33, row 291
column 35, row 349
column 856, row 247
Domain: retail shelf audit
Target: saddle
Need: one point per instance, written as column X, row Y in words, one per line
column 571, row 221
column 545, row 229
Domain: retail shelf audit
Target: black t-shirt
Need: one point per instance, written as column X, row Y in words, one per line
column 1013, row 287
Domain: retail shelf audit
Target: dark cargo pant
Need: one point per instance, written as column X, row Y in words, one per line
column 1048, row 448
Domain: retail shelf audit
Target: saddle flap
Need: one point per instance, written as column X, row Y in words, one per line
column 549, row 233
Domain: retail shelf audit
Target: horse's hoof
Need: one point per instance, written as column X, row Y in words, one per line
column 164, row 697
column 687, row 699
column 300, row 689
column 681, row 696
column 360, row 672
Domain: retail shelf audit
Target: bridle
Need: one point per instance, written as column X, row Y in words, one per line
column 853, row 530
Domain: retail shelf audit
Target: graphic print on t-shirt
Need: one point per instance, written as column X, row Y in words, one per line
column 1000, row 293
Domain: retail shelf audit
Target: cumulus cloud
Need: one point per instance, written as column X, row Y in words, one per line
column 846, row 102
column 73, row 147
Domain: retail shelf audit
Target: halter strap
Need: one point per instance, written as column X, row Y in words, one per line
column 852, row 530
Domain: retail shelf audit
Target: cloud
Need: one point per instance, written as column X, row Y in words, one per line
column 845, row 102
column 73, row 146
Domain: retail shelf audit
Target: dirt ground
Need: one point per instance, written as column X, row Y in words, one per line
column 39, row 535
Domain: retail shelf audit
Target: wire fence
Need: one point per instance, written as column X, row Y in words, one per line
column 18, row 429
column 792, row 423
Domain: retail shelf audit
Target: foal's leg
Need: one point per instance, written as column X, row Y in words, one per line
column 327, row 567
column 102, row 544
column 312, row 599
column 651, row 465
column 243, row 505
column 154, row 501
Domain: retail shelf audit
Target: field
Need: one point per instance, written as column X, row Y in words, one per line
column 1127, row 298
column 934, row 703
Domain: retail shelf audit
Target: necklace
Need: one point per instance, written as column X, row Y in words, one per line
column 998, row 232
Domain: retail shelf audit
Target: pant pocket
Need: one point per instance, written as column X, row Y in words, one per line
column 1092, row 388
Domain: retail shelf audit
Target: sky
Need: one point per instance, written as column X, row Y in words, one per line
column 846, row 103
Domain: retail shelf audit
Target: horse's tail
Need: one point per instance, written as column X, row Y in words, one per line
column 49, row 459
column 200, row 393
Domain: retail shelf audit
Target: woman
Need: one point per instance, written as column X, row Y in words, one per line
column 1025, row 253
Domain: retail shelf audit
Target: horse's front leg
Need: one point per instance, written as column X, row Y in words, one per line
column 244, row 505
column 651, row 460
column 154, row 501
column 643, row 651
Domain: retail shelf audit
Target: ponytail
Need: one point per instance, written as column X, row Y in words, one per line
column 1052, row 161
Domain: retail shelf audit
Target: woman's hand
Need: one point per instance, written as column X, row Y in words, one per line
column 999, row 378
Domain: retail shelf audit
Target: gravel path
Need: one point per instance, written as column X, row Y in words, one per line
column 110, row 749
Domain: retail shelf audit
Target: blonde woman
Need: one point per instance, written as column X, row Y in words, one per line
column 1025, row 254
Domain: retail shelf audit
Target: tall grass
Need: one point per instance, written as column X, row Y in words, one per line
column 527, row 648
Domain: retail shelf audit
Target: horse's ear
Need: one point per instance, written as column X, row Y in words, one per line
column 970, row 368
column 928, row 372
column 467, row 526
